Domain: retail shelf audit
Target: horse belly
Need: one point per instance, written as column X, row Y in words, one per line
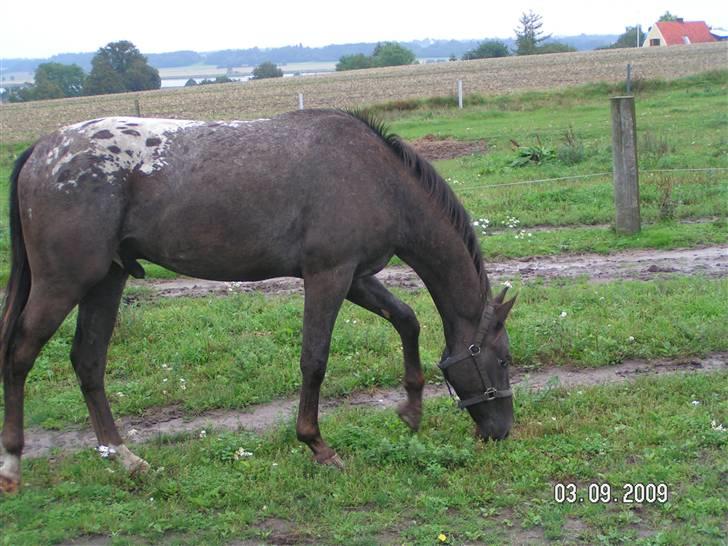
column 222, row 252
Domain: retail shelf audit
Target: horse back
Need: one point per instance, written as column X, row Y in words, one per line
column 222, row 199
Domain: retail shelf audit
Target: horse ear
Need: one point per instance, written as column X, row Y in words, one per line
column 501, row 296
column 502, row 310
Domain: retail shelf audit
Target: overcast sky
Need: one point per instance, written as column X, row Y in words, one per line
column 47, row 27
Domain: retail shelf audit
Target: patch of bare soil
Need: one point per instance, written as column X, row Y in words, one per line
column 433, row 148
column 172, row 420
column 633, row 264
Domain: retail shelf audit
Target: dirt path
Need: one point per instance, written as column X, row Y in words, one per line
column 633, row 264
column 172, row 420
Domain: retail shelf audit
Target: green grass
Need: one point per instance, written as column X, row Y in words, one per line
column 240, row 350
column 403, row 488
column 522, row 242
column 679, row 127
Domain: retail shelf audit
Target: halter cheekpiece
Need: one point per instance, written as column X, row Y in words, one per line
column 489, row 392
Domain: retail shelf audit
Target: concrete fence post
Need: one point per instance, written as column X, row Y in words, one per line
column 460, row 94
column 300, row 101
column 625, row 170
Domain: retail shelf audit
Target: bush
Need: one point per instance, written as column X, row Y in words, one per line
column 385, row 54
column 487, row 50
column 354, row 62
column 267, row 70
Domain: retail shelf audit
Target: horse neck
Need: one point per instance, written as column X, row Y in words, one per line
column 438, row 255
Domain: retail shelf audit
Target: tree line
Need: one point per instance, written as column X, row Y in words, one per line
column 120, row 67
column 529, row 40
column 117, row 67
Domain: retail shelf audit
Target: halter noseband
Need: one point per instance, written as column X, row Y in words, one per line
column 489, row 392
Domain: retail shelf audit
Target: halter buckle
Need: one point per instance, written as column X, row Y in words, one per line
column 474, row 349
column 490, row 394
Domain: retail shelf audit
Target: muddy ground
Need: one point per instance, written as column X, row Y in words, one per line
column 634, row 264
column 259, row 418
column 434, row 148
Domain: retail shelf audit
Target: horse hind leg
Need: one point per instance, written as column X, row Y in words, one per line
column 371, row 294
column 96, row 319
column 43, row 313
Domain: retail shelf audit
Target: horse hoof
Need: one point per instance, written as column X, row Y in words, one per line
column 8, row 485
column 141, row 467
column 334, row 461
column 410, row 416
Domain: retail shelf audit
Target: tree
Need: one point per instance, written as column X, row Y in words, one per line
column 667, row 16
column 66, row 79
column 529, row 34
column 391, row 54
column 629, row 38
column 384, row 54
column 486, row 50
column 354, row 62
column 267, row 70
column 52, row 81
column 119, row 67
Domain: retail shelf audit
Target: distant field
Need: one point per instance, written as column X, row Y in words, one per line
column 26, row 121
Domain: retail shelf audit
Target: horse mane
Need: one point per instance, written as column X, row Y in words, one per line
column 438, row 190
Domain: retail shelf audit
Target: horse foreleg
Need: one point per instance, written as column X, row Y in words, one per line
column 96, row 318
column 372, row 295
column 41, row 317
column 325, row 292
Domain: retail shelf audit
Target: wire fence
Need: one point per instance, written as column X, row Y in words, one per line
column 580, row 177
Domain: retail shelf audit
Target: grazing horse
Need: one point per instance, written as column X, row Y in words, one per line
column 325, row 195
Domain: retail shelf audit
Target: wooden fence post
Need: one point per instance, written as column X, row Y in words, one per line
column 629, row 78
column 138, row 108
column 624, row 153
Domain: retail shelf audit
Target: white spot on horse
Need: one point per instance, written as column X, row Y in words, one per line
column 30, row 213
column 126, row 144
column 11, row 467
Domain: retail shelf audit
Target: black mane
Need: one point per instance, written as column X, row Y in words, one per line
column 437, row 188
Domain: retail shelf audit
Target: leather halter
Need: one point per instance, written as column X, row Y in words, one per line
column 489, row 392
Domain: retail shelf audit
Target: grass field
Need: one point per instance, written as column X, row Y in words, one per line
column 439, row 486
column 241, row 350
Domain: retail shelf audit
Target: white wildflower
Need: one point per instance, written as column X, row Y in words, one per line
column 695, row 402
column 630, row 339
column 563, row 314
column 242, row 453
column 203, row 433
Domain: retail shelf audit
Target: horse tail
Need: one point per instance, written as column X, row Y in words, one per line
column 18, row 289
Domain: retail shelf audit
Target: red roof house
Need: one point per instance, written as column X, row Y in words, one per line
column 668, row 33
